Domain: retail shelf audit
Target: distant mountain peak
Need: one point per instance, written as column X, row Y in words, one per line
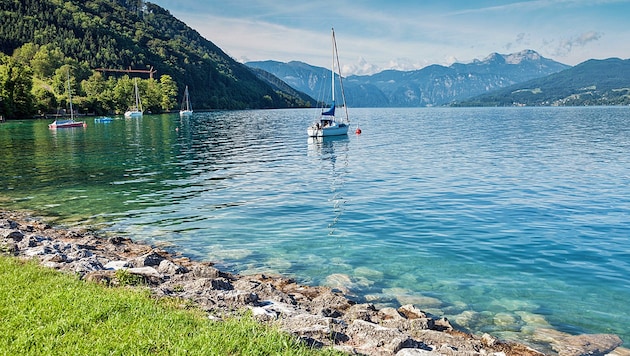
column 512, row 58
column 430, row 86
column 524, row 55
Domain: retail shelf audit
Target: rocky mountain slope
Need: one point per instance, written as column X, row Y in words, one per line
column 434, row 85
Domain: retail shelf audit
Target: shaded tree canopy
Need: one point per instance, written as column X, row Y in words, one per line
column 125, row 34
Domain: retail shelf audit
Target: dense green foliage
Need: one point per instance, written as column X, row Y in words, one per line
column 37, row 80
column 45, row 312
column 594, row 82
column 121, row 34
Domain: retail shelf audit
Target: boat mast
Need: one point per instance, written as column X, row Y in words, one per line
column 135, row 84
column 332, row 68
column 70, row 96
column 343, row 94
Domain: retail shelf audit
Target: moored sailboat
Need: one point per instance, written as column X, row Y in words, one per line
column 186, row 109
column 328, row 124
column 136, row 111
column 66, row 123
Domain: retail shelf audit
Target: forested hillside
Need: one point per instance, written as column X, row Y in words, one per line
column 122, row 34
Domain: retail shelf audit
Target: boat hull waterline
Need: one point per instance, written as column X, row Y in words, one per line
column 63, row 124
column 334, row 130
column 133, row 114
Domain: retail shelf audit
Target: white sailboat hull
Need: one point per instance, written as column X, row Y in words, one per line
column 333, row 130
column 184, row 113
column 133, row 114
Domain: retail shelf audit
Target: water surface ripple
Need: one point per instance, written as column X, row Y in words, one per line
column 505, row 220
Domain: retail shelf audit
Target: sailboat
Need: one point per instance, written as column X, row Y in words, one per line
column 137, row 110
column 186, row 107
column 65, row 123
column 328, row 124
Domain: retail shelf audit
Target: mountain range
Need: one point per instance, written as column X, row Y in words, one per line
column 434, row 85
column 593, row 82
column 123, row 34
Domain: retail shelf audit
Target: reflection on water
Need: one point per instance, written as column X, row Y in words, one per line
column 333, row 152
column 436, row 207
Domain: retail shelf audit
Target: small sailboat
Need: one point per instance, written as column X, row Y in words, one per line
column 186, row 109
column 328, row 124
column 137, row 110
column 66, row 123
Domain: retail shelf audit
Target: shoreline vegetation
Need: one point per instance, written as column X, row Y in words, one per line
column 120, row 296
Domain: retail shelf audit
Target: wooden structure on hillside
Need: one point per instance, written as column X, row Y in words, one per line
column 129, row 70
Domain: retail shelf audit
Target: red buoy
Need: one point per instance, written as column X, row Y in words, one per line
column 358, row 130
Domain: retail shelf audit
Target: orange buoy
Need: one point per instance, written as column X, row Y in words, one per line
column 358, row 131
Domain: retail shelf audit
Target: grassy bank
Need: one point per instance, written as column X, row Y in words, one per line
column 45, row 312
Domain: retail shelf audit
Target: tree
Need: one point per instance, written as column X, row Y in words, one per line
column 123, row 94
column 150, row 95
column 46, row 61
column 169, row 92
column 16, row 83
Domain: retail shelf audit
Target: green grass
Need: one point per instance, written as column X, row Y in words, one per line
column 45, row 312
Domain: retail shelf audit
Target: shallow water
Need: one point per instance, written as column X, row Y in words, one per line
column 505, row 220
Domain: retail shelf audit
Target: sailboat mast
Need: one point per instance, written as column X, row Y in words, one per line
column 135, row 87
column 343, row 94
column 70, row 96
column 332, row 68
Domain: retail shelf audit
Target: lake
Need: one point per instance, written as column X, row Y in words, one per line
column 504, row 220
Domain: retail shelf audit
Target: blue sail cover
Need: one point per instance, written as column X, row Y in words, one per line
column 331, row 111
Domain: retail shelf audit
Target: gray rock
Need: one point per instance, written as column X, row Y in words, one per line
column 240, row 297
column 365, row 311
column 85, row 265
column 203, row 271
column 169, row 267
column 411, row 312
column 55, row 257
column 308, row 326
column 144, row 271
column 14, row 235
column 148, row 260
column 29, row 241
column 389, row 313
column 37, row 251
column 78, row 254
column 264, row 314
column 409, row 325
column 369, row 337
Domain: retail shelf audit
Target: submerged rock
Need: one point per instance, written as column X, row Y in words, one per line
column 318, row 315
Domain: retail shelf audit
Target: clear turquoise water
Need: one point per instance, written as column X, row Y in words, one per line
column 505, row 220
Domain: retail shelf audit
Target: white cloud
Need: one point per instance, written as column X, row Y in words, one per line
column 566, row 46
column 406, row 35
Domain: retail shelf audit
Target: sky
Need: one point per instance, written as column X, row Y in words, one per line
column 374, row 35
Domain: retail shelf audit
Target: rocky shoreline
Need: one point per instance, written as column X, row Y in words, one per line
column 320, row 316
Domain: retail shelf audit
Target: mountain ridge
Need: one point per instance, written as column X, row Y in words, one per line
column 592, row 82
column 434, row 85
